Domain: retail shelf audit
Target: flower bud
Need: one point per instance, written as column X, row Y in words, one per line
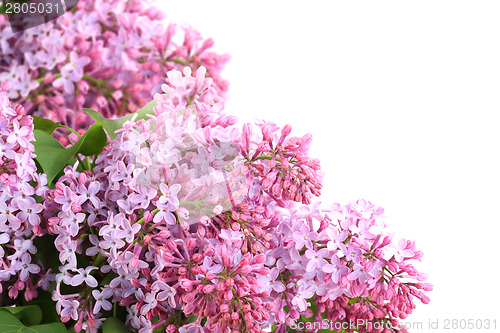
column 207, row 289
column 191, row 243
column 264, row 270
column 5, row 86
column 259, row 258
column 187, row 284
column 228, row 295
column 201, row 231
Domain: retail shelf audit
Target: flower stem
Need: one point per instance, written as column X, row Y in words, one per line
column 41, row 79
column 192, row 203
column 235, row 295
column 177, row 61
column 98, row 261
column 141, row 221
column 88, row 163
column 72, row 130
column 98, row 82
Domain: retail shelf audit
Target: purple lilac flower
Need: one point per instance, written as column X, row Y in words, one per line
column 336, row 268
column 269, row 282
column 101, row 298
column 304, row 237
column 70, row 308
column 316, row 259
column 25, row 267
column 127, row 230
column 84, row 276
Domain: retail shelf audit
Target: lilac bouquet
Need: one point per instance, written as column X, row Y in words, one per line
column 108, row 55
column 175, row 218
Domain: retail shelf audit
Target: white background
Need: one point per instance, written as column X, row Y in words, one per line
column 402, row 99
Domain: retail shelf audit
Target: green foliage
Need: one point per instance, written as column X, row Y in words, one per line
column 48, row 307
column 53, row 157
column 112, row 125
column 113, row 325
column 47, row 125
column 10, row 323
column 95, row 140
column 30, row 314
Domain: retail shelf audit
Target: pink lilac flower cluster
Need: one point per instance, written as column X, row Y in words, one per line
column 351, row 264
column 108, row 55
column 190, row 223
column 127, row 211
column 20, row 186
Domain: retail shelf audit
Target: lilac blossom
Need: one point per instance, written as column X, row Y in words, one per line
column 169, row 194
column 164, row 292
column 67, row 199
column 316, row 259
column 400, row 251
column 127, row 231
column 353, row 254
column 25, row 84
column 304, row 237
column 25, row 267
column 84, row 275
column 89, row 194
column 165, row 213
column 336, row 239
column 101, row 298
column 304, row 292
column 359, row 273
column 29, row 211
column 234, row 259
column 336, row 268
column 270, row 283
column 70, row 308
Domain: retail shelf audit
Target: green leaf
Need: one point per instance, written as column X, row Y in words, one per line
column 10, row 324
column 192, row 318
column 94, row 141
column 29, row 314
column 51, row 155
column 112, row 125
column 47, row 125
column 113, row 325
column 46, row 328
column 49, row 311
